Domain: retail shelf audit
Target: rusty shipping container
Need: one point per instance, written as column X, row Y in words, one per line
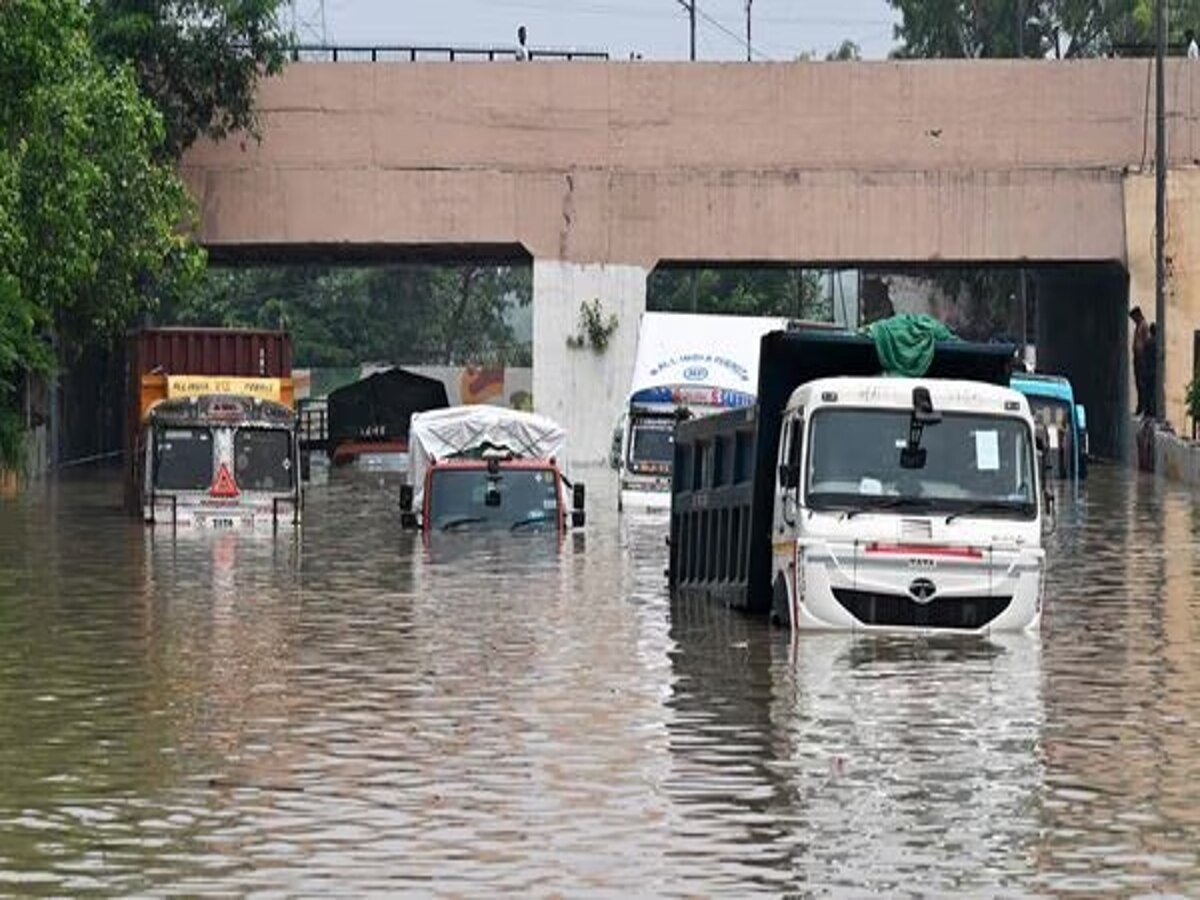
column 245, row 353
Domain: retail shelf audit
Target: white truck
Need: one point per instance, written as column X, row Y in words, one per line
column 687, row 365
column 487, row 468
column 863, row 502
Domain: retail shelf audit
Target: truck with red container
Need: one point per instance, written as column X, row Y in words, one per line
column 211, row 431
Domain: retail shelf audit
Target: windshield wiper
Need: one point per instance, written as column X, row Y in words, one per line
column 986, row 506
column 462, row 520
column 891, row 503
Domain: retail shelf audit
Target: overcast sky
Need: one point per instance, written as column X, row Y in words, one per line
column 658, row 29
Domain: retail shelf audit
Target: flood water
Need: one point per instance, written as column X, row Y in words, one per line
column 349, row 711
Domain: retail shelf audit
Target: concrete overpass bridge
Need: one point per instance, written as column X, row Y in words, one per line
column 600, row 171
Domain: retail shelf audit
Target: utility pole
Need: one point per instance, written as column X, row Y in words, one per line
column 748, row 2
column 690, row 6
column 1160, row 208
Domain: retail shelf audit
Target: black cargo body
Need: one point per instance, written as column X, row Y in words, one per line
column 723, row 485
column 379, row 407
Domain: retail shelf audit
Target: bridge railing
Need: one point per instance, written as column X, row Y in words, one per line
column 431, row 53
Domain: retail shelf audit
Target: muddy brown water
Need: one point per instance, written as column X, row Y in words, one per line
column 350, row 711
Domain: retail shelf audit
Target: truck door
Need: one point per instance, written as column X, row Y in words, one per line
column 788, row 473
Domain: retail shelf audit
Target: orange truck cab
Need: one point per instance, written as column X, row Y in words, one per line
column 482, row 468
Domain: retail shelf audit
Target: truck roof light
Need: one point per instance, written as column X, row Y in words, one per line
column 829, row 397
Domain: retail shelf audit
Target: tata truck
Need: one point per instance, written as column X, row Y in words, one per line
column 849, row 499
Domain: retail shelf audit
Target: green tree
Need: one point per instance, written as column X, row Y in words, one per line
column 752, row 292
column 200, row 61
column 1035, row 28
column 846, row 51
column 343, row 316
column 88, row 219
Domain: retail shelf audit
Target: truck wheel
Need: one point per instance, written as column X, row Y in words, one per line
column 781, row 609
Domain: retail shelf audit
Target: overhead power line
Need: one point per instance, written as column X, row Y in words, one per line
column 729, row 32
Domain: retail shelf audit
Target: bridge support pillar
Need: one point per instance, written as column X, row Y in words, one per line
column 583, row 387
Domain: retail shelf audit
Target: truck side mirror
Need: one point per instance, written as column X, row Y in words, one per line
column 406, row 498
column 614, row 451
column 578, row 518
column 578, row 495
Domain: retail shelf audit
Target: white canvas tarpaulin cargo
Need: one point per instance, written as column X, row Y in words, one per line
column 467, row 430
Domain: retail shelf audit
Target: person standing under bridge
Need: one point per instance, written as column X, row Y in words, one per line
column 1141, row 340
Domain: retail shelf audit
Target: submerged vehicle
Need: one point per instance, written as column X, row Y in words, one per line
column 487, row 468
column 220, row 460
column 847, row 500
column 1052, row 402
column 687, row 365
column 368, row 420
column 211, row 439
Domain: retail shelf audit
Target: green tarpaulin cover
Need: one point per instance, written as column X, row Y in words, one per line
column 905, row 342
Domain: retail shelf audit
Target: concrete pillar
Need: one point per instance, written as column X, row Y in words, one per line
column 582, row 389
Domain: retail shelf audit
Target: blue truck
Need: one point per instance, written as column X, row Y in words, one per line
column 1052, row 402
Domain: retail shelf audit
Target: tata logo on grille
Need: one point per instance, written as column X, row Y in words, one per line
column 921, row 562
column 922, row 590
column 695, row 373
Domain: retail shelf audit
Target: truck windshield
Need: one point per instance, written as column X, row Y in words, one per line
column 183, row 459
column 262, row 459
column 973, row 462
column 512, row 499
column 652, row 445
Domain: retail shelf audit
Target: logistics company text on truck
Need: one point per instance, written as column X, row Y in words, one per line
column 695, row 363
column 845, row 500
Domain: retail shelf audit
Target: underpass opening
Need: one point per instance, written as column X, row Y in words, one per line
column 461, row 316
column 1071, row 318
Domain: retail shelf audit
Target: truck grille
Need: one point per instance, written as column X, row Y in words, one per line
column 871, row 608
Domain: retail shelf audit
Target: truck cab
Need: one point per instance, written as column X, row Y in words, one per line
column 907, row 503
column 488, row 469
column 226, row 461
column 1052, row 402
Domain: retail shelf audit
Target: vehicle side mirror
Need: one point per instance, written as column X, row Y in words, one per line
column 578, row 518
column 492, row 497
column 408, row 521
column 406, row 498
column 614, row 451
column 578, row 495
column 789, row 476
column 912, row 458
column 305, row 465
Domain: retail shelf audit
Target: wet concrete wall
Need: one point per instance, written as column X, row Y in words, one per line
column 1082, row 333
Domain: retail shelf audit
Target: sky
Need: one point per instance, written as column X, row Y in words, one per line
column 658, row 29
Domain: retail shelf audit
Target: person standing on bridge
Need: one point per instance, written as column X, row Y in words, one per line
column 1193, row 49
column 1141, row 339
column 522, row 50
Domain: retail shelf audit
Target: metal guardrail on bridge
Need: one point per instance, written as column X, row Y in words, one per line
column 431, row 53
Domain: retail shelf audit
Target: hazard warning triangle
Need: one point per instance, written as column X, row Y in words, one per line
column 223, row 485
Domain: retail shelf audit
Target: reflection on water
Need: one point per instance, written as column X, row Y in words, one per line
column 352, row 708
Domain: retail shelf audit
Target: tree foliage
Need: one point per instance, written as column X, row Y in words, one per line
column 88, row 219
column 200, row 61
column 1034, row 28
column 753, row 292
column 345, row 316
